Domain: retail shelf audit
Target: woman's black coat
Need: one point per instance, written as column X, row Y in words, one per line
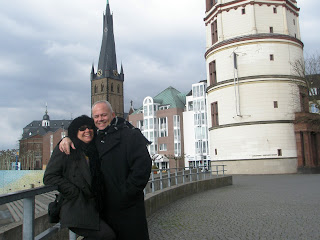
column 73, row 178
column 126, row 166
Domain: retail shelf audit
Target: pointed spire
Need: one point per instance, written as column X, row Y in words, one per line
column 121, row 71
column 107, row 59
column 92, row 69
column 46, row 108
column 131, row 108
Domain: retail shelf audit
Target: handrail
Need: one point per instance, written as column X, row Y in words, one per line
column 164, row 180
column 10, row 197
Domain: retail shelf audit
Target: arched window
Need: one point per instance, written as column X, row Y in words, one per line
column 95, row 88
column 111, row 87
column 118, row 88
column 102, row 87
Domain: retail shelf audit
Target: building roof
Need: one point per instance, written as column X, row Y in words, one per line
column 35, row 128
column 169, row 97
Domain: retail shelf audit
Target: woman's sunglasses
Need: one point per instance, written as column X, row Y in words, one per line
column 83, row 128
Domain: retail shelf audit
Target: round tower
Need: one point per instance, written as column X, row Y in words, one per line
column 253, row 91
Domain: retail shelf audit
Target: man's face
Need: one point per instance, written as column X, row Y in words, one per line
column 102, row 115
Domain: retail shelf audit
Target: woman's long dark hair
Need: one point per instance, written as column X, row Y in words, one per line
column 90, row 150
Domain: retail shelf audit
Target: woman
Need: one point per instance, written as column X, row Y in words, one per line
column 78, row 179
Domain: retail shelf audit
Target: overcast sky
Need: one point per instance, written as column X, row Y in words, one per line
column 47, row 48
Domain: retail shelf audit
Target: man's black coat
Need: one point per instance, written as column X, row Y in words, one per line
column 126, row 166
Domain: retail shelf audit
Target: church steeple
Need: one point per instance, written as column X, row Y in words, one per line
column 107, row 83
column 107, row 66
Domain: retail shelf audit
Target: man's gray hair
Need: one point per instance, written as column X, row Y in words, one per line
column 103, row 101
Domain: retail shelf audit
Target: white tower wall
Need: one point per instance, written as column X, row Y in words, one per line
column 256, row 101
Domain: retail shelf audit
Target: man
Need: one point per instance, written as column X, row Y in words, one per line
column 126, row 166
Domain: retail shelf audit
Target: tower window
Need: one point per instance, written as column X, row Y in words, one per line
column 111, row 87
column 214, row 32
column 102, row 87
column 271, row 29
column 294, row 22
column 275, row 104
column 275, row 10
column 243, row 11
column 95, row 88
column 213, row 72
column 118, row 88
column 279, row 152
column 271, row 57
column 214, row 114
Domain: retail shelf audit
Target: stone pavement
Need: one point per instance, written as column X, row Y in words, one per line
column 254, row 207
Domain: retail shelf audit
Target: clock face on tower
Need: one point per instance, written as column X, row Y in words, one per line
column 115, row 73
column 99, row 72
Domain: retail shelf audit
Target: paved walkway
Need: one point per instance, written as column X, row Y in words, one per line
column 254, row 207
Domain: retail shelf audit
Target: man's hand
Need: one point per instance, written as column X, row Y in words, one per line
column 65, row 144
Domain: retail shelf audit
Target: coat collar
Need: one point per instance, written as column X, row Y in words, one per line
column 107, row 142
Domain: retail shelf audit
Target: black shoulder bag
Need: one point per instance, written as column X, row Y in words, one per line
column 54, row 209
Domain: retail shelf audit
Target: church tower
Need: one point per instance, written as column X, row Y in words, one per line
column 46, row 119
column 107, row 82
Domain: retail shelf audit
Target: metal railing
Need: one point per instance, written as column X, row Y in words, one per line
column 159, row 179
column 28, row 197
column 163, row 178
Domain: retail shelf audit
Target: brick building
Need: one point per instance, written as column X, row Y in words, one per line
column 38, row 141
column 307, row 128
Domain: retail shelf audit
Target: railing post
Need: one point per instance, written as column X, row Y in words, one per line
column 161, row 187
column 217, row 170
column 72, row 235
column 223, row 170
column 176, row 176
column 152, row 183
column 197, row 174
column 169, row 178
column 183, row 175
column 190, row 171
column 28, row 218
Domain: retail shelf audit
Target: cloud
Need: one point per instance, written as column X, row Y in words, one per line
column 47, row 49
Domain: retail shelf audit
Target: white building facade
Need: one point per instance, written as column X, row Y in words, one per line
column 160, row 120
column 252, row 91
column 196, row 138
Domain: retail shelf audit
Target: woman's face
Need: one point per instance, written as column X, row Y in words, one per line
column 85, row 133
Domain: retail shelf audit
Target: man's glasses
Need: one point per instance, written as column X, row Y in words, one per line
column 83, row 128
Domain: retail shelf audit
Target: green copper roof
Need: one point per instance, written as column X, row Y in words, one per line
column 170, row 96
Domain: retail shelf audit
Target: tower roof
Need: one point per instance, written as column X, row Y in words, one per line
column 46, row 116
column 107, row 60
